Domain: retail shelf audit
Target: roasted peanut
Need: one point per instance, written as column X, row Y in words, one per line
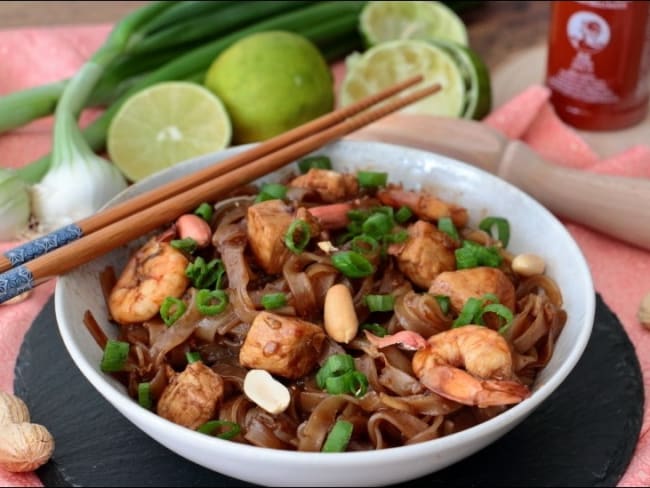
column 266, row 391
column 340, row 318
column 528, row 264
column 24, row 446
column 194, row 227
column 12, row 409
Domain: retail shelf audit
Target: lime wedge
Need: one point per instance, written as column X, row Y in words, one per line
column 390, row 21
column 165, row 124
column 478, row 97
column 391, row 62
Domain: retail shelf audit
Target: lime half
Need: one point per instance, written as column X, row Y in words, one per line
column 165, row 124
column 478, row 87
column 390, row 21
column 391, row 62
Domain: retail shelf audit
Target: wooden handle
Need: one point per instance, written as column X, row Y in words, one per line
column 615, row 205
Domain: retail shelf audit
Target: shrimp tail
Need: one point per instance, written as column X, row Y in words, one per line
column 460, row 386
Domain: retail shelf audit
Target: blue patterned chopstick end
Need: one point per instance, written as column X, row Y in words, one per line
column 44, row 244
column 14, row 282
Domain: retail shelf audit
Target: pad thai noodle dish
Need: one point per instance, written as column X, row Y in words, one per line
column 335, row 311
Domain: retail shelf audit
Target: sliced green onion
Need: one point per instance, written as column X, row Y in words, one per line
column 205, row 275
column 471, row 255
column 304, row 236
column 357, row 215
column 317, row 162
column 353, row 382
column 443, row 302
column 205, row 211
column 376, row 329
column 403, row 214
column 193, row 357
column 335, row 365
column 377, row 225
column 339, row 437
column 364, row 244
column 271, row 191
column 211, row 302
column 446, row 225
column 171, row 310
column 274, row 300
column 352, row 264
column 212, row 425
column 396, row 237
column 468, row 315
column 502, row 225
column 144, row 395
column 502, row 311
column 115, row 356
column 187, row 245
column 380, row 303
column 371, row 179
column 490, row 297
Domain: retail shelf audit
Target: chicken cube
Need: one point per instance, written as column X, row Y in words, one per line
column 460, row 285
column 191, row 397
column 427, row 253
column 285, row 346
column 330, row 185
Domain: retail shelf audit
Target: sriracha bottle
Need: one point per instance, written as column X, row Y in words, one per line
column 598, row 64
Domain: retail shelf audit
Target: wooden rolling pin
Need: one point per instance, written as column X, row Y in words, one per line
column 614, row 205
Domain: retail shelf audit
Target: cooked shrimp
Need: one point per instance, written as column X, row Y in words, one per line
column 424, row 205
column 156, row 271
column 487, row 377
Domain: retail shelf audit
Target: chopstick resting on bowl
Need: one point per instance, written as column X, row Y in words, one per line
column 137, row 223
column 60, row 237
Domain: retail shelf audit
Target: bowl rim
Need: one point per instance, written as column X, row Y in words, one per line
column 511, row 417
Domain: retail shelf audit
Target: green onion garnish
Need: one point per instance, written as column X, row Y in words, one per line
column 502, row 311
column 364, row 244
column 471, row 255
column 193, row 357
column 357, row 215
column 304, row 236
column 144, row 395
column 376, row 329
column 271, row 191
column 377, row 225
column 205, row 275
column 403, row 214
column 397, row 237
column 212, row 425
column 353, row 382
column 274, row 300
column 115, row 356
column 335, row 365
column 380, row 303
column 339, row 437
column 502, row 225
column 171, row 309
column 446, row 225
column 211, row 302
column 352, row 264
column 317, row 162
column 187, row 245
column 471, row 310
column 371, row 179
column 443, row 302
column 205, row 211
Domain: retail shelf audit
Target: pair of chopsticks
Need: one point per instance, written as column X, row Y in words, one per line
column 30, row 264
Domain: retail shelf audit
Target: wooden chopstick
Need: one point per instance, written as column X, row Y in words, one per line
column 60, row 237
column 81, row 251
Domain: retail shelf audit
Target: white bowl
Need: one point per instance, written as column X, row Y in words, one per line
column 534, row 229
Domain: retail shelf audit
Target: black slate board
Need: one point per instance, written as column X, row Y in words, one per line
column 583, row 435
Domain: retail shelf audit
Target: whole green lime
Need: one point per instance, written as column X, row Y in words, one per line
column 271, row 82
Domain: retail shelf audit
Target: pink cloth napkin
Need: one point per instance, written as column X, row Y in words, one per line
column 621, row 273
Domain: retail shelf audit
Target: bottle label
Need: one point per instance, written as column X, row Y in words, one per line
column 588, row 33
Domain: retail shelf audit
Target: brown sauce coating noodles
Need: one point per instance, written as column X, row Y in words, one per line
column 425, row 379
